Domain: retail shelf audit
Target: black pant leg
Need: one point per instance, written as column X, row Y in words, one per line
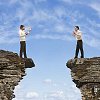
column 25, row 55
column 77, row 50
column 81, row 48
column 21, row 48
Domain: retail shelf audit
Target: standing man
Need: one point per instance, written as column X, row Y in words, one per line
column 22, row 35
column 78, row 35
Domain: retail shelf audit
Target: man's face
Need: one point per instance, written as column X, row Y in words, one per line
column 23, row 28
column 76, row 28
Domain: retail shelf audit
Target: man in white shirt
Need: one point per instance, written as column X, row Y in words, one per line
column 78, row 35
column 22, row 35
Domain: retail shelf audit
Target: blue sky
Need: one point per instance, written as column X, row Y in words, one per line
column 50, row 43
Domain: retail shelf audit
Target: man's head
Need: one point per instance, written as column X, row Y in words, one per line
column 22, row 27
column 77, row 28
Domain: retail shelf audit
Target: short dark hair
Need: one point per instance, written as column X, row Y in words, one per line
column 77, row 27
column 21, row 26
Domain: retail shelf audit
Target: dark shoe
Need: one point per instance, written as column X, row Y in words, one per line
column 25, row 57
column 82, row 57
column 75, row 57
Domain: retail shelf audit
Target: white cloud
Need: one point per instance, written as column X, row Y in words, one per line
column 92, row 41
column 17, row 87
column 21, row 94
column 8, row 40
column 48, row 81
column 74, row 1
column 53, row 17
column 60, row 11
column 13, row 1
column 60, row 28
column 58, row 95
column 72, row 93
column 18, row 99
column 51, row 83
column 75, row 89
column 67, row 1
column 53, row 37
column 96, row 7
column 39, row 1
column 93, row 23
column 38, row 15
column 31, row 95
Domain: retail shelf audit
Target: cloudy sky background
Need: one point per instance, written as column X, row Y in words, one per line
column 50, row 43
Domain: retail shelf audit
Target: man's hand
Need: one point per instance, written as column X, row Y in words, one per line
column 74, row 33
column 29, row 29
column 27, row 33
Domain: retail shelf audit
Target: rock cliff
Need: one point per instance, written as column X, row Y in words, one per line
column 85, row 74
column 12, row 70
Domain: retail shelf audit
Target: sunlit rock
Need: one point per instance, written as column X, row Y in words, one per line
column 12, row 70
column 85, row 74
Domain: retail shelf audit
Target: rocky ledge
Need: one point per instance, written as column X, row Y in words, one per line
column 12, row 70
column 85, row 74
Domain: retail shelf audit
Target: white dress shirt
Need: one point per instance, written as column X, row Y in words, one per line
column 22, row 35
column 78, row 35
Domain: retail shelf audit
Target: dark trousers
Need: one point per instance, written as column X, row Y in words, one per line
column 79, row 46
column 23, row 49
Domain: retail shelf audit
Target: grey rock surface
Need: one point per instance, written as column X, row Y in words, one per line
column 12, row 70
column 85, row 74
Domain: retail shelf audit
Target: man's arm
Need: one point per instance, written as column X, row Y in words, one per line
column 22, row 33
column 74, row 33
column 79, row 33
column 28, row 30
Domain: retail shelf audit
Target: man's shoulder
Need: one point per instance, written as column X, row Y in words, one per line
column 80, row 32
column 21, row 31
